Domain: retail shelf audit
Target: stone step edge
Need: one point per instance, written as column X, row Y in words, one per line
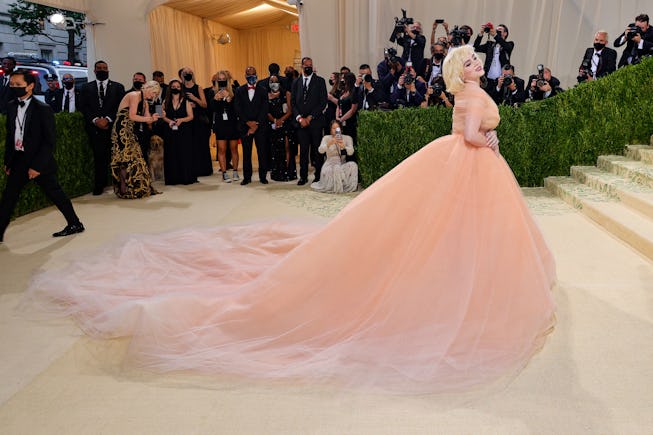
column 636, row 200
column 643, row 153
column 597, row 211
column 613, row 164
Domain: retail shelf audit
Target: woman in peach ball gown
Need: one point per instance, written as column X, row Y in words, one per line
column 440, row 285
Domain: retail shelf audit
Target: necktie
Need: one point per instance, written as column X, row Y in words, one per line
column 305, row 88
column 101, row 94
column 66, row 103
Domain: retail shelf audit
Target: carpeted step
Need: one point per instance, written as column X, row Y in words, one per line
column 629, row 192
column 636, row 170
column 643, row 153
column 608, row 211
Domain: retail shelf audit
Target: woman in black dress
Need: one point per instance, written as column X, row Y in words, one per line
column 347, row 111
column 225, row 124
column 279, row 110
column 178, row 137
column 202, row 163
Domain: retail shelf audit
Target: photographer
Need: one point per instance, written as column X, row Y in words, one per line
column 406, row 93
column 543, row 84
column 433, row 66
column 459, row 36
column 509, row 89
column 389, row 70
column 370, row 91
column 413, row 43
column 435, row 27
column 638, row 38
column 497, row 50
column 436, row 95
column 598, row 60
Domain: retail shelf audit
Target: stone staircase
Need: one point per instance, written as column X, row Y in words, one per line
column 617, row 194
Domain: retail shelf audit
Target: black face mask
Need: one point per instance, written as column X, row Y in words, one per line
column 102, row 75
column 188, row 77
column 598, row 46
column 138, row 85
column 222, row 83
column 289, row 75
column 331, row 82
column 308, row 70
column 175, row 91
column 68, row 85
column 18, row 92
column 438, row 56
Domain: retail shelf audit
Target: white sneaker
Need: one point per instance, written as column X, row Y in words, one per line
column 235, row 176
column 225, row 177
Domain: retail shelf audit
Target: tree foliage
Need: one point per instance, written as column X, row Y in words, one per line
column 29, row 19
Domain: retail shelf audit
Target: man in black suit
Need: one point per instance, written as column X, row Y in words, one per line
column 67, row 99
column 497, row 51
column 413, row 42
column 309, row 99
column 251, row 105
column 509, row 89
column 8, row 65
column 638, row 43
column 50, row 93
column 29, row 154
column 99, row 104
column 599, row 60
column 543, row 85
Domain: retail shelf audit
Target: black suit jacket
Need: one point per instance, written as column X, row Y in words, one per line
column 5, row 95
column 628, row 51
column 416, row 50
column 316, row 99
column 255, row 110
column 90, row 102
column 607, row 61
column 505, row 96
column 38, row 136
column 57, row 103
column 505, row 50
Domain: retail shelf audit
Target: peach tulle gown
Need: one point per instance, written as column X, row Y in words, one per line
column 434, row 278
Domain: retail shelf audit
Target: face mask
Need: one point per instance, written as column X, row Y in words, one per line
column 331, row 82
column 289, row 75
column 19, row 92
column 438, row 56
column 102, row 75
column 274, row 87
column 251, row 79
column 175, row 91
column 308, row 70
column 69, row 85
column 222, row 83
column 598, row 46
column 138, row 85
column 188, row 77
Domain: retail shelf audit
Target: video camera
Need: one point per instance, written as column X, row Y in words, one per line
column 400, row 24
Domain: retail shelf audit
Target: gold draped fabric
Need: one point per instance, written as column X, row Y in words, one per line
column 180, row 39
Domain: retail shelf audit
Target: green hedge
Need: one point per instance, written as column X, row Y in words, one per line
column 538, row 139
column 74, row 159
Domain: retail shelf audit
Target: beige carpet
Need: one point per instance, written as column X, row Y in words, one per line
column 593, row 376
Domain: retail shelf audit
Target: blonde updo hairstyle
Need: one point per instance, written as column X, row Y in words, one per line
column 154, row 85
column 453, row 67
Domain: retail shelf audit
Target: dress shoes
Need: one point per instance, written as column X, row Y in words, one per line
column 245, row 182
column 302, row 181
column 69, row 230
column 98, row 192
column 264, row 181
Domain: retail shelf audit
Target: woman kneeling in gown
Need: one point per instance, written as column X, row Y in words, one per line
column 131, row 176
column 413, row 287
column 337, row 176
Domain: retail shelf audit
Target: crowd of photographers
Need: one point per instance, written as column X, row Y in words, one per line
column 410, row 79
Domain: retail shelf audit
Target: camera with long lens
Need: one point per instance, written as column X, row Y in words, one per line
column 507, row 80
column 585, row 71
column 389, row 53
column 540, row 76
column 400, row 24
column 458, row 37
column 408, row 79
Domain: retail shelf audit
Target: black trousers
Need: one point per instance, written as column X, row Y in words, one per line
column 309, row 140
column 101, row 146
column 261, row 154
column 17, row 179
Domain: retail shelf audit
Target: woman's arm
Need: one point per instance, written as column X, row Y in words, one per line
column 133, row 100
column 472, row 130
column 349, row 144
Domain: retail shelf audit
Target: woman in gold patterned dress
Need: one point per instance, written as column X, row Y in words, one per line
column 131, row 176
